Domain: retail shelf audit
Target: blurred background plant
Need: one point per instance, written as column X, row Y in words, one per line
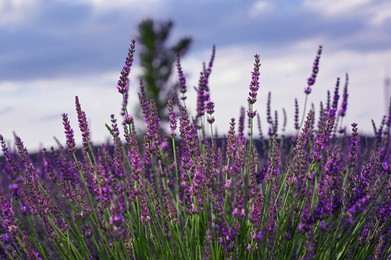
column 157, row 59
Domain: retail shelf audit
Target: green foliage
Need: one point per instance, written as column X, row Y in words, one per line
column 158, row 59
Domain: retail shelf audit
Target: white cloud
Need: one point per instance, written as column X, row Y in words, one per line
column 335, row 7
column 260, row 7
column 17, row 11
column 102, row 6
column 376, row 12
column 380, row 13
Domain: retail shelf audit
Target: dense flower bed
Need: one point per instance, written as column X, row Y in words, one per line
column 323, row 193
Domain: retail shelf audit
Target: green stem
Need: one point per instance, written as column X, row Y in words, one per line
column 303, row 116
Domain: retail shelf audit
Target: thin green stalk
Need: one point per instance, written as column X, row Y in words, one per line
column 211, row 131
column 303, row 116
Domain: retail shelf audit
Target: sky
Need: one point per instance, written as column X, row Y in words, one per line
column 54, row 50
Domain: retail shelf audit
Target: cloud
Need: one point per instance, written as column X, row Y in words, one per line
column 17, row 12
column 375, row 12
column 5, row 110
column 106, row 6
column 260, row 7
column 335, row 7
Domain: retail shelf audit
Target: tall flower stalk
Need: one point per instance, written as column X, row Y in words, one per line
column 310, row 82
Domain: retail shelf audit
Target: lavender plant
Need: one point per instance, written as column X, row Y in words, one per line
column 192, row 195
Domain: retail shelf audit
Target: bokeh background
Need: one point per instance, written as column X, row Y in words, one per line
column 53, row 50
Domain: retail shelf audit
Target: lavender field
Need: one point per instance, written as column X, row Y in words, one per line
column 178, row 190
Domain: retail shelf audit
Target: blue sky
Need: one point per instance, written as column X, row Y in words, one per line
column 53, row 50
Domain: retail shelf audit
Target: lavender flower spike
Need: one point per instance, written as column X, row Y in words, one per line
column 182, row 79
column 172, row 116
column 315, row 69
column 344, row 104
column 254, row 85
column 83, row 124
column 210, row 110
column 123, row 82
column 70, row 139
column 296, row 114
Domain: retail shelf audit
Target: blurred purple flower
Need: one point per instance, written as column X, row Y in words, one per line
column 210, row 110
column 182, row 79
column 296, row 114
column 172, row 116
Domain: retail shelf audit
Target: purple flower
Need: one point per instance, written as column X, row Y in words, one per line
column 354, row 146
column 128, row 119
column 254, row 85
column 114, row 126
column 273, row 167
column 70, row 139
column 249, row 248
column 207, row 71
column 256, row 212
column 31, row 252
column 358, row 207
column 123, row 82
column 210, row 65
column 201, row 96
column 125, row 99
column 284, row 120
column 7, row 215
column 227, row 184
column 182, row 79
column 172, row 116
column 231, row 142
column 300, row 159
column 344, row 104
column 296, row 114
column 143, row 100
column 385, row 166
column 116, row 210
column 83, row 125
column 315, row 69
column 323, row 136
column 210, row 110
column 274, row 126
column 241, row 123
column 5, row 238
column 333, row 110
column 11, row 163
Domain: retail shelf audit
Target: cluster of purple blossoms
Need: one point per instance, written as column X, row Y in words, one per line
column 123, row 82
column 83, row 125
column 172, row 116
column 70, row 139
column 181, row 78
column 254, row 87
column 345, row 96
column 315, row 69
column 210, row 110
